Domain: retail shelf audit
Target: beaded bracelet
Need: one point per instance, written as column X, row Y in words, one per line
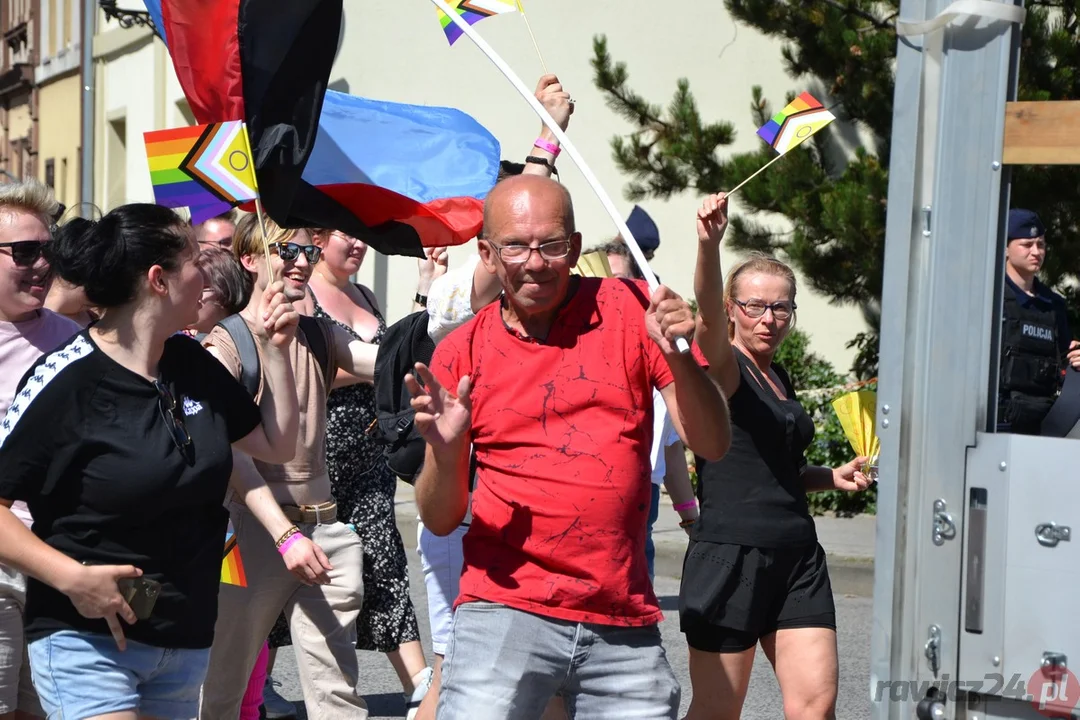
column 287, row 534
column 687, row 523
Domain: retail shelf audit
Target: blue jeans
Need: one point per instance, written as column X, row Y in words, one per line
column 82, row 675
column 506, row 664
column 654, row 513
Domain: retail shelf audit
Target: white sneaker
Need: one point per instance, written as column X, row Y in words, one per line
column 275, row 706
column 412, row 702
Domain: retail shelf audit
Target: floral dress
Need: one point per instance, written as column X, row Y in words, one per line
column 364, row 488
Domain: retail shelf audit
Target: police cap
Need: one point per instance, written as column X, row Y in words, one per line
column 1024, row 224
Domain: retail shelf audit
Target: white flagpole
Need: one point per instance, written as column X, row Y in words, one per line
column 566, row 144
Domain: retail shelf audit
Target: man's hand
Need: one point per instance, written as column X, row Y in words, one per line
column 712, row 219
column 95, row 593
column 441, row 418
column 308, row 562
column 277, row 319
column 668, row 317
column 550, row 93
column 849, row 477
column 1074, row 354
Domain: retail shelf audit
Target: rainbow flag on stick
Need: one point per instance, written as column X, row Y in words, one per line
column 803, row 117
column 205, row 168
column 473, row 11
column 232, row 569
column 789, row 128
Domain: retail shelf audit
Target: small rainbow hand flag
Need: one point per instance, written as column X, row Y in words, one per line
column 803, row 117
column 205, row 168
column 473, row 11
column 232, row 569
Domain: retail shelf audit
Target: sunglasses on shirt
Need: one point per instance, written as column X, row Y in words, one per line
column 173, row 420
column 289, row 251
column 25, row 252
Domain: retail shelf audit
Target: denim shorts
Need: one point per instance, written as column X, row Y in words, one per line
column 82, row 675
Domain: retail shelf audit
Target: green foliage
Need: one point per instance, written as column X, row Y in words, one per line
column 843, row 51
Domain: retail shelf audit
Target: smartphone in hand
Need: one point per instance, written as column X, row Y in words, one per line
column 141, row 594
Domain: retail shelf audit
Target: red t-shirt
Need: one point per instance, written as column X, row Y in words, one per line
column 562, row 431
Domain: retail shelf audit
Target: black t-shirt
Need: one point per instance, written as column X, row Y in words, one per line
column 755, row 495
column 86, row 444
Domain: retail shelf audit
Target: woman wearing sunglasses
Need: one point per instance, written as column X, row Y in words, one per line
column 120, row 441
column 754, row 571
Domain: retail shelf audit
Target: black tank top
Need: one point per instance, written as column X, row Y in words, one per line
column 754, row 495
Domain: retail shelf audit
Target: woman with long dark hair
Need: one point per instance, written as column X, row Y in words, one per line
column 120, row 441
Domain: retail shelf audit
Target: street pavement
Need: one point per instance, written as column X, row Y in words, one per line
column 848, row 542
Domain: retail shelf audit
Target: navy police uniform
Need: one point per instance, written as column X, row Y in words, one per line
column 1034, row 342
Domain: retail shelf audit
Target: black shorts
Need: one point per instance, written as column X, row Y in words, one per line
column 733, row 595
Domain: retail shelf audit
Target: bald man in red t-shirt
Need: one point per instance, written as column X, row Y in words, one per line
column 552, row 387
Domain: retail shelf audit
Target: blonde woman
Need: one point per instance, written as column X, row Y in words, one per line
column 754, row 571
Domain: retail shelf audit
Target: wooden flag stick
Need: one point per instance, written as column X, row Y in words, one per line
column 760, row 170
column 528, row 25
column 258, row 207
column 266, row 245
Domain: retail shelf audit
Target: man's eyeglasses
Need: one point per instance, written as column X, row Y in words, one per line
column 173, row 420
column 517, row 254
column 289, row 251
column 25, row 252
column 756, row 308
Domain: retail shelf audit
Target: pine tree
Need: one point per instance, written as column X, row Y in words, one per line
column 842, row 51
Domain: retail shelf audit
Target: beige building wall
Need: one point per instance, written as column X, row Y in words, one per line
column 59, row 98
column 59, row 140
column 137, row 91
column 396, row 51
column 19, row 120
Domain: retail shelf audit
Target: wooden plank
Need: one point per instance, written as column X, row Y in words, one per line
column 1042, row 133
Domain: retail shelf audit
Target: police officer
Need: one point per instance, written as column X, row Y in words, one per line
column 1036, row 344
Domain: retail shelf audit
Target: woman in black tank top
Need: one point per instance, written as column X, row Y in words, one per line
column 754, row 571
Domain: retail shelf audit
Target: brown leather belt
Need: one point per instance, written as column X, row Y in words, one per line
column 322, row 514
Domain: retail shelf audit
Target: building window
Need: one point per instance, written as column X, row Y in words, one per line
column 50, row 174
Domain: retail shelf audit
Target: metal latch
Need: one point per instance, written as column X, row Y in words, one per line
column 1050, row 534
column 1054, row 663
column 944, row 527
column 932, row 648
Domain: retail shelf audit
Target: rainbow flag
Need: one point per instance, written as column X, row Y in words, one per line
column 803, row 117
column 473, row 11
column 232, row 569
column 205, row 168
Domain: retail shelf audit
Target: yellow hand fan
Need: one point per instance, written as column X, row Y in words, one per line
column 593, row 264
column 857, row 412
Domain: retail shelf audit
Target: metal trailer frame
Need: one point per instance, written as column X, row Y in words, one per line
column 948, row 198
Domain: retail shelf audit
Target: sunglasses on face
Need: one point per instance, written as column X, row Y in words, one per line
column 289, row 251
column 173, row 420
column 25, row 252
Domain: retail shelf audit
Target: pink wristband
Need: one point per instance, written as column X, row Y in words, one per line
column 289, row 543
column 545, row 145
column 688, row 505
